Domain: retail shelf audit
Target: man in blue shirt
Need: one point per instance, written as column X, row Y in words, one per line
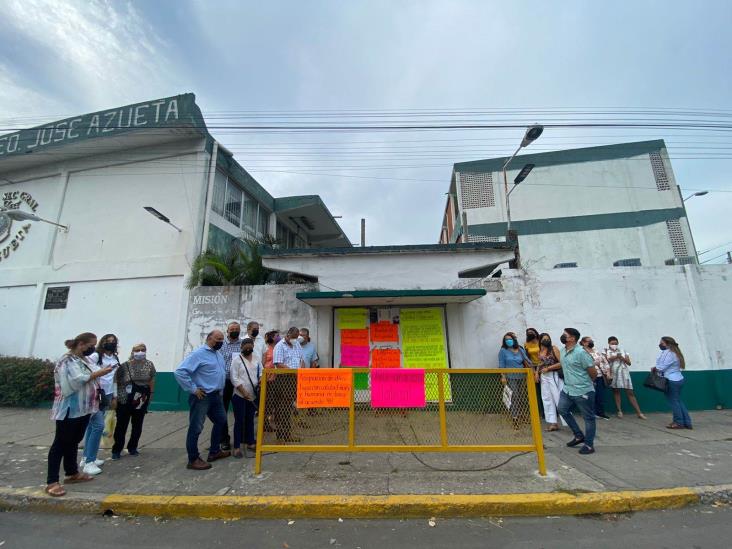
column 309, row 353
column 579, row 390
column 202, row 374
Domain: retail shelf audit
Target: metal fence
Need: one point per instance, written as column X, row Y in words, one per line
column 466, row 410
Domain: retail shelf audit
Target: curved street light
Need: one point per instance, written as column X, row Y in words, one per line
column 20, row 215
column 531, row 135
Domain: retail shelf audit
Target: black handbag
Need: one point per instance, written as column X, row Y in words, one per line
column 656, row 381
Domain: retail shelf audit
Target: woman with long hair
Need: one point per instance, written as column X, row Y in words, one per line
column 550, row 378
column 669, row 364
column 104, row 357
column 76, row 397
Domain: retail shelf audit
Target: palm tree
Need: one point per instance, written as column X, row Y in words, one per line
column 240, row 265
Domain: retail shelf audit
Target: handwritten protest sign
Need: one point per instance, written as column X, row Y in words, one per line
column 397, row 388
column 386, row 358
column 355, row 337
column 324, row 388
column 385, row 331
column 423, row 344
column 352, row 319
column 355, row 356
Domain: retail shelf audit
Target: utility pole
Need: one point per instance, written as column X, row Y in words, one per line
column 363, row 232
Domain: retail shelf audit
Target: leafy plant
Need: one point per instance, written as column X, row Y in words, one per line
column 25, row 381
column 239, row 265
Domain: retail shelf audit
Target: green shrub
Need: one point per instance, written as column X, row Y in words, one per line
column 25, row 381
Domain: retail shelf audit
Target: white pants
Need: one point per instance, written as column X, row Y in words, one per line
column 551, row 386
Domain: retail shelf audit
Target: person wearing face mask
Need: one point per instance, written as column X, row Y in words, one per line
column 287, row 354
column 604, row 375
column 231, row 348
column 309, row 353
column 579, row 390
column 260, row 346
column 512, row 355
column 669, row 364
column 271, row 339
column 105, row 356
column 135, row 387
column 246, row 371
column 619, row 362
column 76, row 397
column 202, row 374
column 552, row 381
column 532, row 348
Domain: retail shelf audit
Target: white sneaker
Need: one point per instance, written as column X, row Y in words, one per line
column 98, row 462
column 82, row 463
column 91, row 469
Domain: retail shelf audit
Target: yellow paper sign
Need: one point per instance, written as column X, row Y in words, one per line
column 423, row 344
column 352, row 319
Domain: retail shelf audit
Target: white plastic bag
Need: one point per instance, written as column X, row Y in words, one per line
column 507, row 395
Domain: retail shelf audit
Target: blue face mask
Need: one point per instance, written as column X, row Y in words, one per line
column 509, row 342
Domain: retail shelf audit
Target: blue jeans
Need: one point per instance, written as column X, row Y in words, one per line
column 243, row 420
column 211, row 406
column 93, row 437
column 600, row 395
column 678, row 408
column 586, row 405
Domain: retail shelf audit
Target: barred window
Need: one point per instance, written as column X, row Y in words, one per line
column 659, row 171
column 250, row 213
column 632, row 262
column 263, row 222
column 476, row 190
column 567, row 265
column 481, row 238
column 219, row 193
column 676, row 236
column 233, row 204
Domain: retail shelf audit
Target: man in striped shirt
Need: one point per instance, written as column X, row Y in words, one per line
column 231, row 348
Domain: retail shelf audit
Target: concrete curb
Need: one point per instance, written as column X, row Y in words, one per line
column 331, row 507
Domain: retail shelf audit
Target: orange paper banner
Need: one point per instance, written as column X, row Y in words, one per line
column 386, row 358
column 384, row 331
column 357, row 338
column 324, row 388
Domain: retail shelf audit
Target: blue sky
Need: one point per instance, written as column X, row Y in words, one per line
column 60, row 58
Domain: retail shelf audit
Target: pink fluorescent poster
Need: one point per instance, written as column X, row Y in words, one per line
column 355, row 356
column 397, row 388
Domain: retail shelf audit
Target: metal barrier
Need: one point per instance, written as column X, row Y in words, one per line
column 466, row 410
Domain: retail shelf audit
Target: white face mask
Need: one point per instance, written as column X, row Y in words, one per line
column 139, row 355
column 300, row 340
column 613, row 347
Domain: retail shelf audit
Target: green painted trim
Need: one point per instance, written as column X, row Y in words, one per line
column 288, row 203
column 375, row 250
column 219, row 240
column 595, row 222
column 168, row 394
column 571, row 156
column 233, row 169
column 391, row 293
column 104, row 124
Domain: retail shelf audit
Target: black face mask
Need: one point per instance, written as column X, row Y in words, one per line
column 563, row 339
column 546, row 343
column 662, row 346
column 218, row 345
column 234, row 335
column 110, row 346
column 247, row 352
column 530, row 337
column 591, row 344
column 88, row 351
column 255, row 333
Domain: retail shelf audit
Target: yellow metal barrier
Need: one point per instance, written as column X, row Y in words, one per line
column 467, row 410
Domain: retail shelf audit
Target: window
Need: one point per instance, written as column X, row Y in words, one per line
column 567, row 265
column 632, row 262
column 233, row 204
column 250, row 213
column 676, row 236
column 476, row 190
column 219, row 193
column 659, row 171
column 263, row 223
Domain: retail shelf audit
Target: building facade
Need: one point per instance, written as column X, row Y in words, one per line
column 615, row 205
column 118, row 269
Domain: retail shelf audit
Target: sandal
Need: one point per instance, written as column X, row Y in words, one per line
column 77, row 478
column 237, row 454
column 642, row 416
column 55, row 490
column 554, row 427
column 675, row 426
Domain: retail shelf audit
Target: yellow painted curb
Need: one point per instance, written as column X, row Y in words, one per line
column 406, row 506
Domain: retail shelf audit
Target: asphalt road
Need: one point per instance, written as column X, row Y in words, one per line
column 703, row 527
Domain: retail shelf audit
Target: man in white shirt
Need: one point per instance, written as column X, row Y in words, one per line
column 287, row 354
column 259, row 344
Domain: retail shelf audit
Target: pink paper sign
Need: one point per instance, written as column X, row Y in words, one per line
column 397, row 388
column 355, row 355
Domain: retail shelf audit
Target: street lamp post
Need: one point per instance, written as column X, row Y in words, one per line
column 162, row 217
column 20, row 215
column 532, row 133
column 699, row 193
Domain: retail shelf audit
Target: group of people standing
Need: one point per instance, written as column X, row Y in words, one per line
column 576, row 377
column 227, row 370
column 89, row 383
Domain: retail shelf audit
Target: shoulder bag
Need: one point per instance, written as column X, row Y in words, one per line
column 655, row 381
column 137, row 395
column 255, row 389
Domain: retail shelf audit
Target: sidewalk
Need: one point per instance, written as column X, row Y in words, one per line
column 631, row 455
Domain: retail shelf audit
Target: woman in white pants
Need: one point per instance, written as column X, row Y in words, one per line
column 551, row 380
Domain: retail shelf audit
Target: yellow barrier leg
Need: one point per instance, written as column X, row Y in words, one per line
column 535, row 422
column 443, row 414
column 352, row 413
column 260, row 424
